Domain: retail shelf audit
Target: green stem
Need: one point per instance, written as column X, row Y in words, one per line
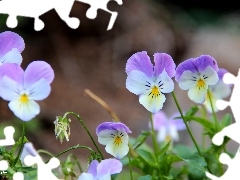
column 78, row 164
column 155, row 147
column 84, row 126
column 45, row 152
column 188, row 129
column 130, row 166
column 213, row 111
column 74, row 147
column 21, row 145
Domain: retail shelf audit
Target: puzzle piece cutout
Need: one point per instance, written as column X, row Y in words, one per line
column 8, row 141
column 36, row 8
column 230, row 131
column 31, row 157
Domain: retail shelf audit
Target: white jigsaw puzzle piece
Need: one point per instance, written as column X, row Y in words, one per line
column 100, row 4
column 36, row 8
column 44, row 170
column 231, row 131
column 8, row 132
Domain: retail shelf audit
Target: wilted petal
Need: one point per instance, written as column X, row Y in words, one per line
column 13, row 56
column 10, row 40
column 24, row 111
column 86, row 176
column 9, row 89
column 36, row 71
column 109, row 166
column 138, row 82
column 39, row 90
column 140, row 61
column 164, row 61
column 152, row 102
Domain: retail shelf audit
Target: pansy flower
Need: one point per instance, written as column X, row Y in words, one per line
column 102, row 170
column 218, row 91
column 11, row 46
column 115, row 137
column 22, row 89
column 195, row 75
column 167, row 128
column 150, row 81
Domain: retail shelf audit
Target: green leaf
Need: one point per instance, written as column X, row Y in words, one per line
column 147, row 157
column 192, row 111
column 226, row 121
column 147, row 177
column 208, row 125
column 164, row 149
column 141, row 139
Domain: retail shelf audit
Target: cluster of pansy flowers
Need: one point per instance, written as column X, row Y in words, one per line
column 150, row 82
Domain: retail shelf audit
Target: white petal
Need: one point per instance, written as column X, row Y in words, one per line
column 138, row 82
column 24, row 111
column 118, row 151
column 221, row 90
column 173, row 132
column 86, row 176
column 39, row 90
column 13, row 56
column 151, row 102
column 9, row 89
column 106, row 177
column 162, row 133
column 188, row 80
column 167, row 83
column 197, row 94
column 211, row 76
column 207, row 103
column 106, row 136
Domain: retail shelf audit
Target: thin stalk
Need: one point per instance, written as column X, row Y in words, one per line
column 74, row 147
column 45, row 152
column 213, row 111
column 21, row 146
column 84, row 126
column 130, row 166
column 78, row 164
column 155, row 147
column 188, row 129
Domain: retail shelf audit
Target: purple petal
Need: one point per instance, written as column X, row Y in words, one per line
column 112, row 126
column 140, row 61
column 36, row 71
column 198, row 64
column 221, row 73
column 159, row 120
column 179, row 123
column 13, row 71
column 93, row 168
column 10, row 40
column 164, row 61
column 113, row 166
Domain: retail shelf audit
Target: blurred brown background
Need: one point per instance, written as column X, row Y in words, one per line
column 91, row 57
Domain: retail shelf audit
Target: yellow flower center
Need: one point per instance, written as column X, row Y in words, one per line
column 24, row 98
column 155, row 91
column 118, row 140
column 201, row 83
column 168, row 138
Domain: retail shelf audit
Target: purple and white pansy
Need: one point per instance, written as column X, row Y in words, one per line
column 11, row 46
column 195, row 75
column 102, row 170
column 115, row 136
column 22, row 89
column 218, row 91
column 167, row 128
column 150, row 81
